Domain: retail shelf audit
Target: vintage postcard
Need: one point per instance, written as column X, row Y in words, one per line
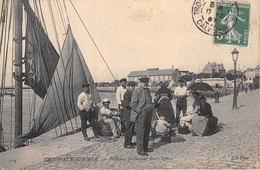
column 113, row 84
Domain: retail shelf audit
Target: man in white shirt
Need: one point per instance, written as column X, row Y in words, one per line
column 120, row 99
column 87, row 111
column 180, row 94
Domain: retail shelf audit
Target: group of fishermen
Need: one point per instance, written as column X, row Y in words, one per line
column 135, row 106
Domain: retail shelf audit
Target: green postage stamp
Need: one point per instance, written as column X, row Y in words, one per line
column 232, row 24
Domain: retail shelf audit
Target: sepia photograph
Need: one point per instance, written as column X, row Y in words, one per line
column 128, row 84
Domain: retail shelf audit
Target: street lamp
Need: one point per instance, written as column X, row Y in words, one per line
column 235, row 57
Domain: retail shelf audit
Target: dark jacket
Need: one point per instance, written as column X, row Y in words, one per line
column 205, row 110
column 126, row 104
column 138, row 99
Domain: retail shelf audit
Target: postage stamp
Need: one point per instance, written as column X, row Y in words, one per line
column 235, row 19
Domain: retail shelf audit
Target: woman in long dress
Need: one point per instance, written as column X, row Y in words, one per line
column 204, row 123
column 163, row 104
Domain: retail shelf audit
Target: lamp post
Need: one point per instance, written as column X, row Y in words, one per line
column 235, row 57
column 225, row 83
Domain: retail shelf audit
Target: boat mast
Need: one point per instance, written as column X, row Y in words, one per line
column 18, row 68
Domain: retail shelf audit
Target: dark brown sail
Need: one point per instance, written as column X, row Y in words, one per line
column 40, row 57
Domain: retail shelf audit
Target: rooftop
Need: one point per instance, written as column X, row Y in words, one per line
column 152, row 72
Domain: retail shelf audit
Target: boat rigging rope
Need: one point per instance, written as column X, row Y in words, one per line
column 2, row 9
column 2, row 97
column 12, row 84
column 92, row 40
column 43, row 21
column 5, row 54
column 29, row 10
column 34, row 107
column 68, row 21
column 60, row 22
column 45, row 83
column 36, row 10
column 57, row 40
column 2, row 22
column 61, row 15
column 64, row 4
column 29, row 106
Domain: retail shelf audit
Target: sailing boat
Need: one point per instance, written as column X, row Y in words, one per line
column 56, row 78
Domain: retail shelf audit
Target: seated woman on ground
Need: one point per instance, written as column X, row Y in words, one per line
column 204, row 123
column 111, row 118
column 186, row 120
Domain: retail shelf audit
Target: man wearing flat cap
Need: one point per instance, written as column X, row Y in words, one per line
column 87, row 111
column 126, row 115
column 180, row 94
column 119, row 99
column 141, row 103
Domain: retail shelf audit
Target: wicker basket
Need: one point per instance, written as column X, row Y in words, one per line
column 105, row 129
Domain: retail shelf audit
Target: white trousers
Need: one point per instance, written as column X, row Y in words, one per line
column 114, row 124
column 185, row 120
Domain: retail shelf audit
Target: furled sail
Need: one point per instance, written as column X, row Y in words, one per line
column 59, row 104
column 40, row 57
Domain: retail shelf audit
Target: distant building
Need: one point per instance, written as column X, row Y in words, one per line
column 156, row 75
column 183, row 73
column 238, row 72
column 251, row 73
column 213, row 68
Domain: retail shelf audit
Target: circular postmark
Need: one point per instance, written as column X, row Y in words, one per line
column 214, row 18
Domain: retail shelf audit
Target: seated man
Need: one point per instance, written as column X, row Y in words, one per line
column 110, row 117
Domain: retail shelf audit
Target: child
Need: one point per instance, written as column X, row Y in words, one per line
column 161, row 126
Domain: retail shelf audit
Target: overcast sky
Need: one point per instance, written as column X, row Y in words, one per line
column 141, row 34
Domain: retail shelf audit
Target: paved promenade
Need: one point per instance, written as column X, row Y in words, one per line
column 236, row 145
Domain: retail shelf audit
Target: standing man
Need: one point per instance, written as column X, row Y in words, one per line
column 141, row 103
column 126, row 115
column 120, row 98
column 87, row 112
column 181, row 94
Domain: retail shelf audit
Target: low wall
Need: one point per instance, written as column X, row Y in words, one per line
column 106, row 89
